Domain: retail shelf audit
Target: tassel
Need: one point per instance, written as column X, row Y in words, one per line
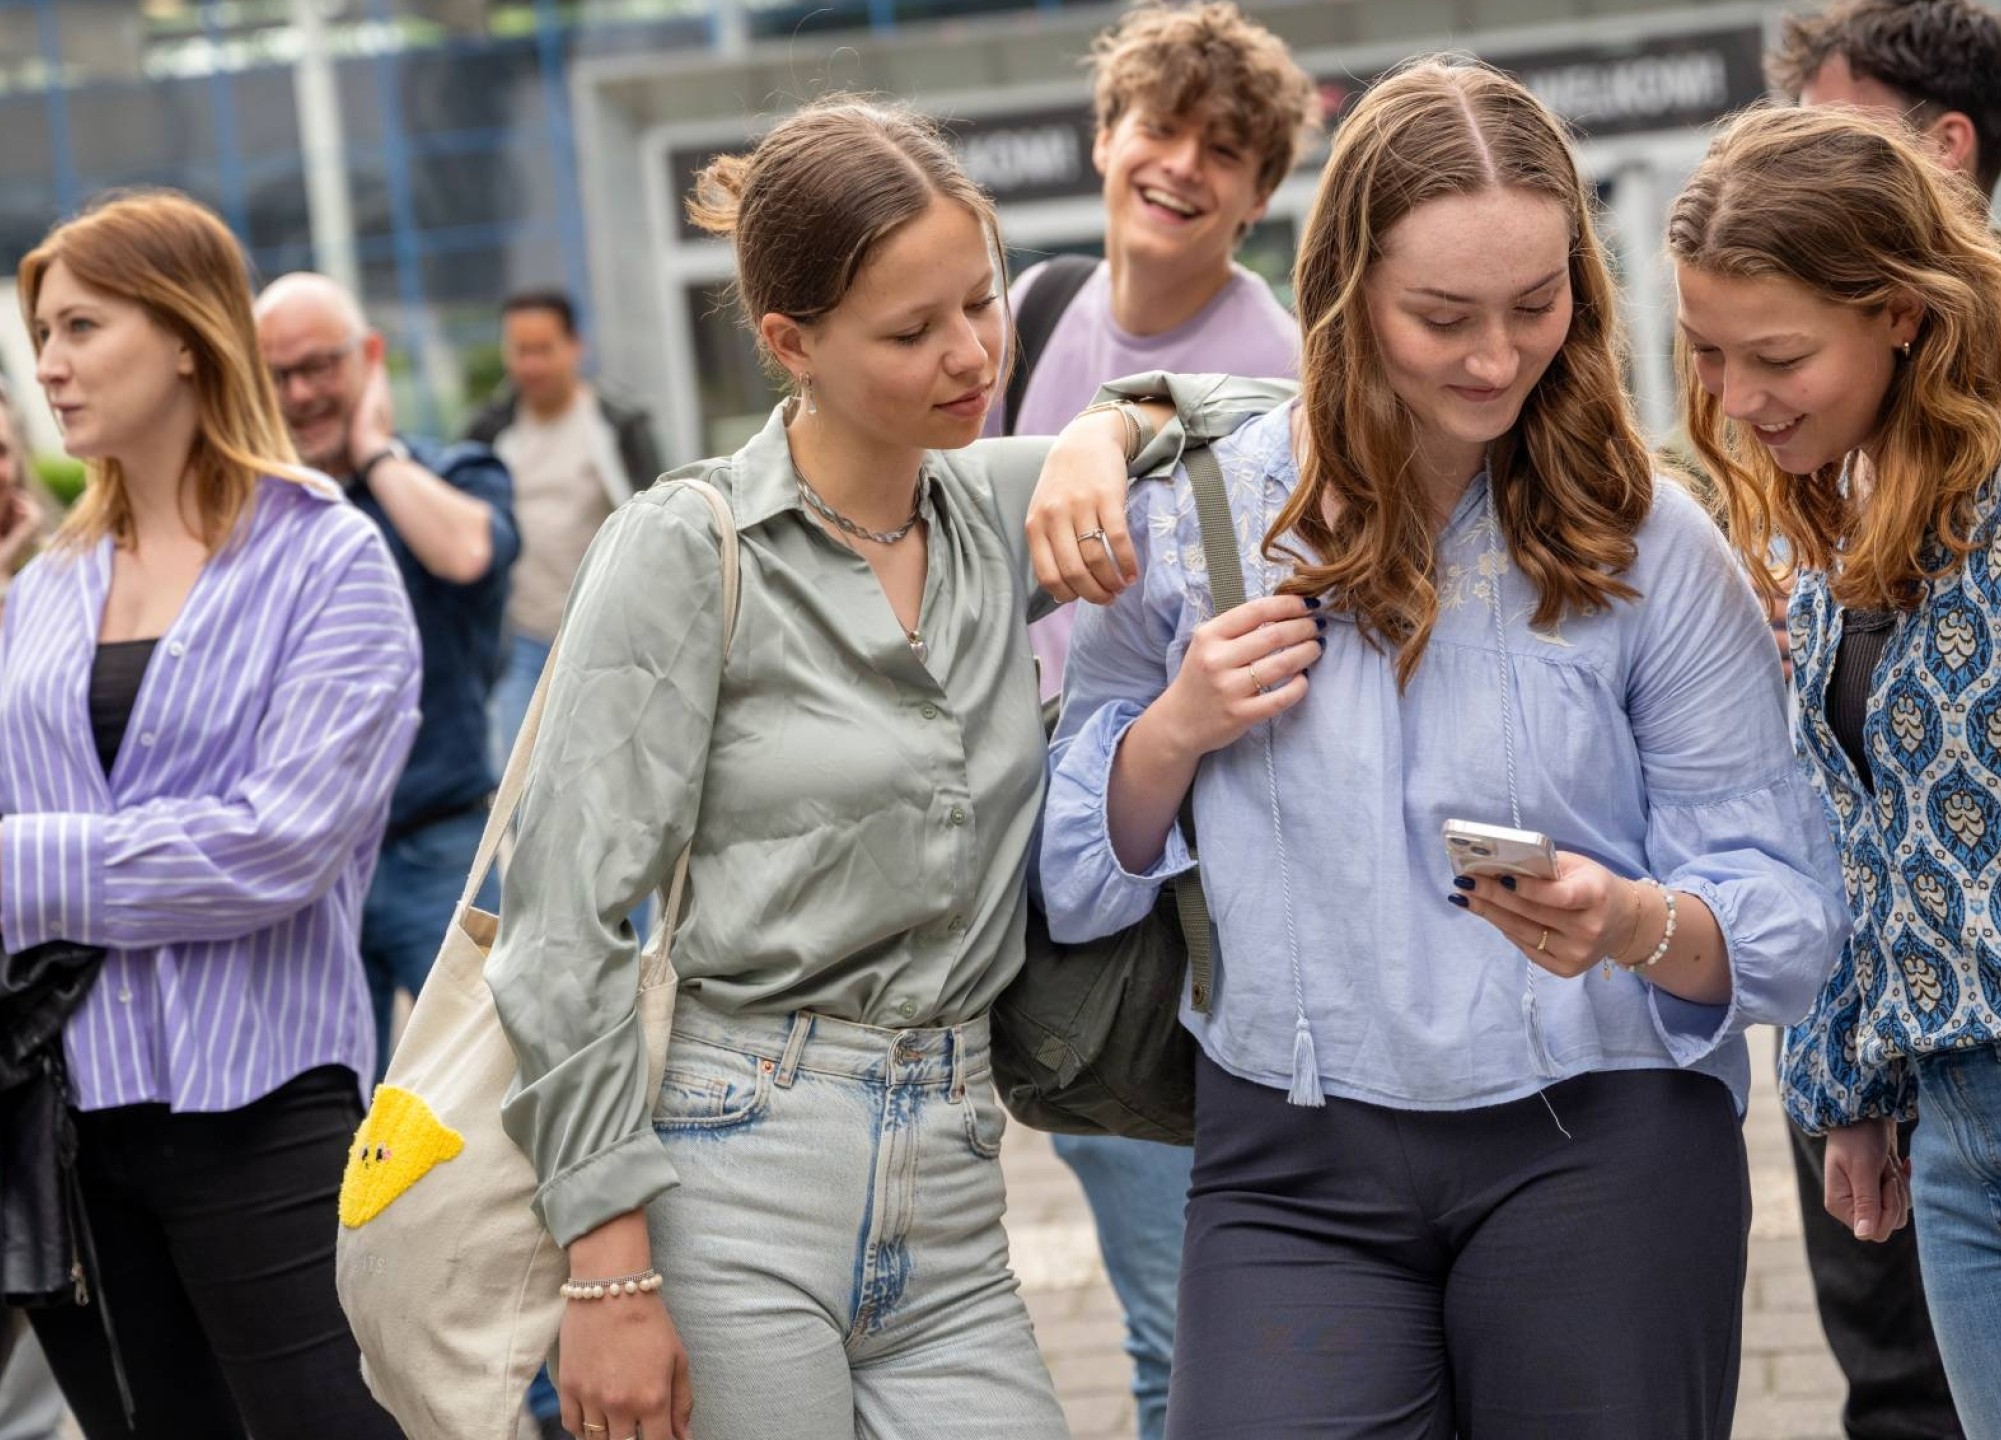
column 1305, row 1069
column 1545, row 1063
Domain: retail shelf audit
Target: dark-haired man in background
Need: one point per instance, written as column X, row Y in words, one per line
column 575, row 457
column 1936, row 63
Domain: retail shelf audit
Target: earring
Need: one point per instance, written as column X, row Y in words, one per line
column 1907, row 349
column 814, row 409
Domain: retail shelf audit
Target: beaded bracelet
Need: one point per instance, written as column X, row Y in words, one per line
column 644, row 1283
column 1667, row 935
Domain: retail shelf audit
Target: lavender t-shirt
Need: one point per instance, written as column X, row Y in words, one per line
column 1243, row 331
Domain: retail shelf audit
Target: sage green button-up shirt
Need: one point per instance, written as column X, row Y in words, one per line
column 860, row 822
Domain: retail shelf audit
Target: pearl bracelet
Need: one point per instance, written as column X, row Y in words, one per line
column 644, row 1283
column 1667, row 935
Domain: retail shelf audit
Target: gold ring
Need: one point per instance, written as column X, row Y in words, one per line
column 1543, row 944
column 590, row 1429
column 1256, row 683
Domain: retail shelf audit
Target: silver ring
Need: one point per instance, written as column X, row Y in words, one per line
column 1097, row 535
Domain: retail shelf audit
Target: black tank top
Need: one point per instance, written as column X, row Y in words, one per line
column 1864, row 634
column 115, row 674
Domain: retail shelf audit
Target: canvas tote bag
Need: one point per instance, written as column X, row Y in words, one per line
column 447, row 1277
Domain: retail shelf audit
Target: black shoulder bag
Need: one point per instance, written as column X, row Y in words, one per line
column 1088, row 1039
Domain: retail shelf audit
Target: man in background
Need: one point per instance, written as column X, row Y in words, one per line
column 1936, row 63
column 575, row 457
column 447, row 514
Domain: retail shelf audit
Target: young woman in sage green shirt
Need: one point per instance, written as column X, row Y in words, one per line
column 816, row 1180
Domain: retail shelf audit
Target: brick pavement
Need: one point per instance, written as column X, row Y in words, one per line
column 1790, row 1388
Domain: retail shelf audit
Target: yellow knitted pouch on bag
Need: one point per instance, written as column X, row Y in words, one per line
column 396, row 1146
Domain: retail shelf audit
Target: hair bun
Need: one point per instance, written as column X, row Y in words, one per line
column 717, row 194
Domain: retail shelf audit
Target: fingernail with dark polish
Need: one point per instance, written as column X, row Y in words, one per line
column 1319, row 622
column 1313, row 602
column 1508, row 882
column 1464, row 882
column 1459, row 900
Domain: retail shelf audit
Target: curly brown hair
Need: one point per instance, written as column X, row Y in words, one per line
column 1847, row 205
column 1572, row 482
column 1940, row 55
column 1170, row 60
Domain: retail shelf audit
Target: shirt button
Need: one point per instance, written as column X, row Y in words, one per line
column 146, row 739
column 958, row 816
column 177, row 649
column 906, row 1008
column 930, row 711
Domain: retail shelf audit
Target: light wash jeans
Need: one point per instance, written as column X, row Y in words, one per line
column 1138, row 1191
column 1956, row 1187
column 833, row 1255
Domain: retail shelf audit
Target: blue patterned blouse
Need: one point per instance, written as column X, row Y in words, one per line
column 1921, row 972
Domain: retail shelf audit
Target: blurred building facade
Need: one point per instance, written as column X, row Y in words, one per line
column 440, row 153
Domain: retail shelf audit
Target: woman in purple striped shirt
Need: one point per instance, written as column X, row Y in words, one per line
column 207, row 688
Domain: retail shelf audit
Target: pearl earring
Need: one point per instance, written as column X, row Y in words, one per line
column 813, row 409
column 1907, row 349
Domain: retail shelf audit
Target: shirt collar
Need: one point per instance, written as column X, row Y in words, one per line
column 764, row 484
column 762, row 480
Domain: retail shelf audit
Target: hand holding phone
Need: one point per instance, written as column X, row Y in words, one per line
column 1476, row 849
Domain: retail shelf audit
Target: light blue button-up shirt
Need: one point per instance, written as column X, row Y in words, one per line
column 1650, row 736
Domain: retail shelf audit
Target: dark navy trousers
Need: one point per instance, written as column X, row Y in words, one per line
column 1361, row 1273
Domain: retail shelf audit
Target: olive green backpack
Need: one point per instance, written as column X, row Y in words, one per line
column 1088, row 1039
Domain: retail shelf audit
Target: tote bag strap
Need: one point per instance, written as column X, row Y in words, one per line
column 1226, row 588
column 507, row 799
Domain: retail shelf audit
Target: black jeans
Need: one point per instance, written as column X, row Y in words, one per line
column 1872, row 1306
column 1357, row 1271
column 215, row 1246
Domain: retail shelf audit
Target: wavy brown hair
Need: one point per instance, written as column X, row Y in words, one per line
column 1849, row 206
column 1572, row 481
column 173, row 258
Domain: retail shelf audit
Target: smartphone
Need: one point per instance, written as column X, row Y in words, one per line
column 1476, row 849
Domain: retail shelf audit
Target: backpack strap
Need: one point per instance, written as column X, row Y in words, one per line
column 1226, row 587
column 1056, row 285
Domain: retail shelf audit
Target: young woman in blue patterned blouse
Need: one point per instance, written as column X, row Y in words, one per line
column 1841, row 342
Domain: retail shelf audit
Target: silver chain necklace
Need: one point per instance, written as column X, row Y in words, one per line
column 914, row 639
column 836, row 518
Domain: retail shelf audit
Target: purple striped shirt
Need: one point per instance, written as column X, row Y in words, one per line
column 224, row 860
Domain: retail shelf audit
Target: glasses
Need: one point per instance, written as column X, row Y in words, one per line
column 315, row 370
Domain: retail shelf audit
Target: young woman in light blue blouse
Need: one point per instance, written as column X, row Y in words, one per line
column 1468, row 1167
column 1841, row 328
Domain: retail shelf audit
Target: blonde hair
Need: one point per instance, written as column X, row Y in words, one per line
column 1850, row 207
column 173, row 258
column 1171, row 59
column 1571, row 482
column 820, row 192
